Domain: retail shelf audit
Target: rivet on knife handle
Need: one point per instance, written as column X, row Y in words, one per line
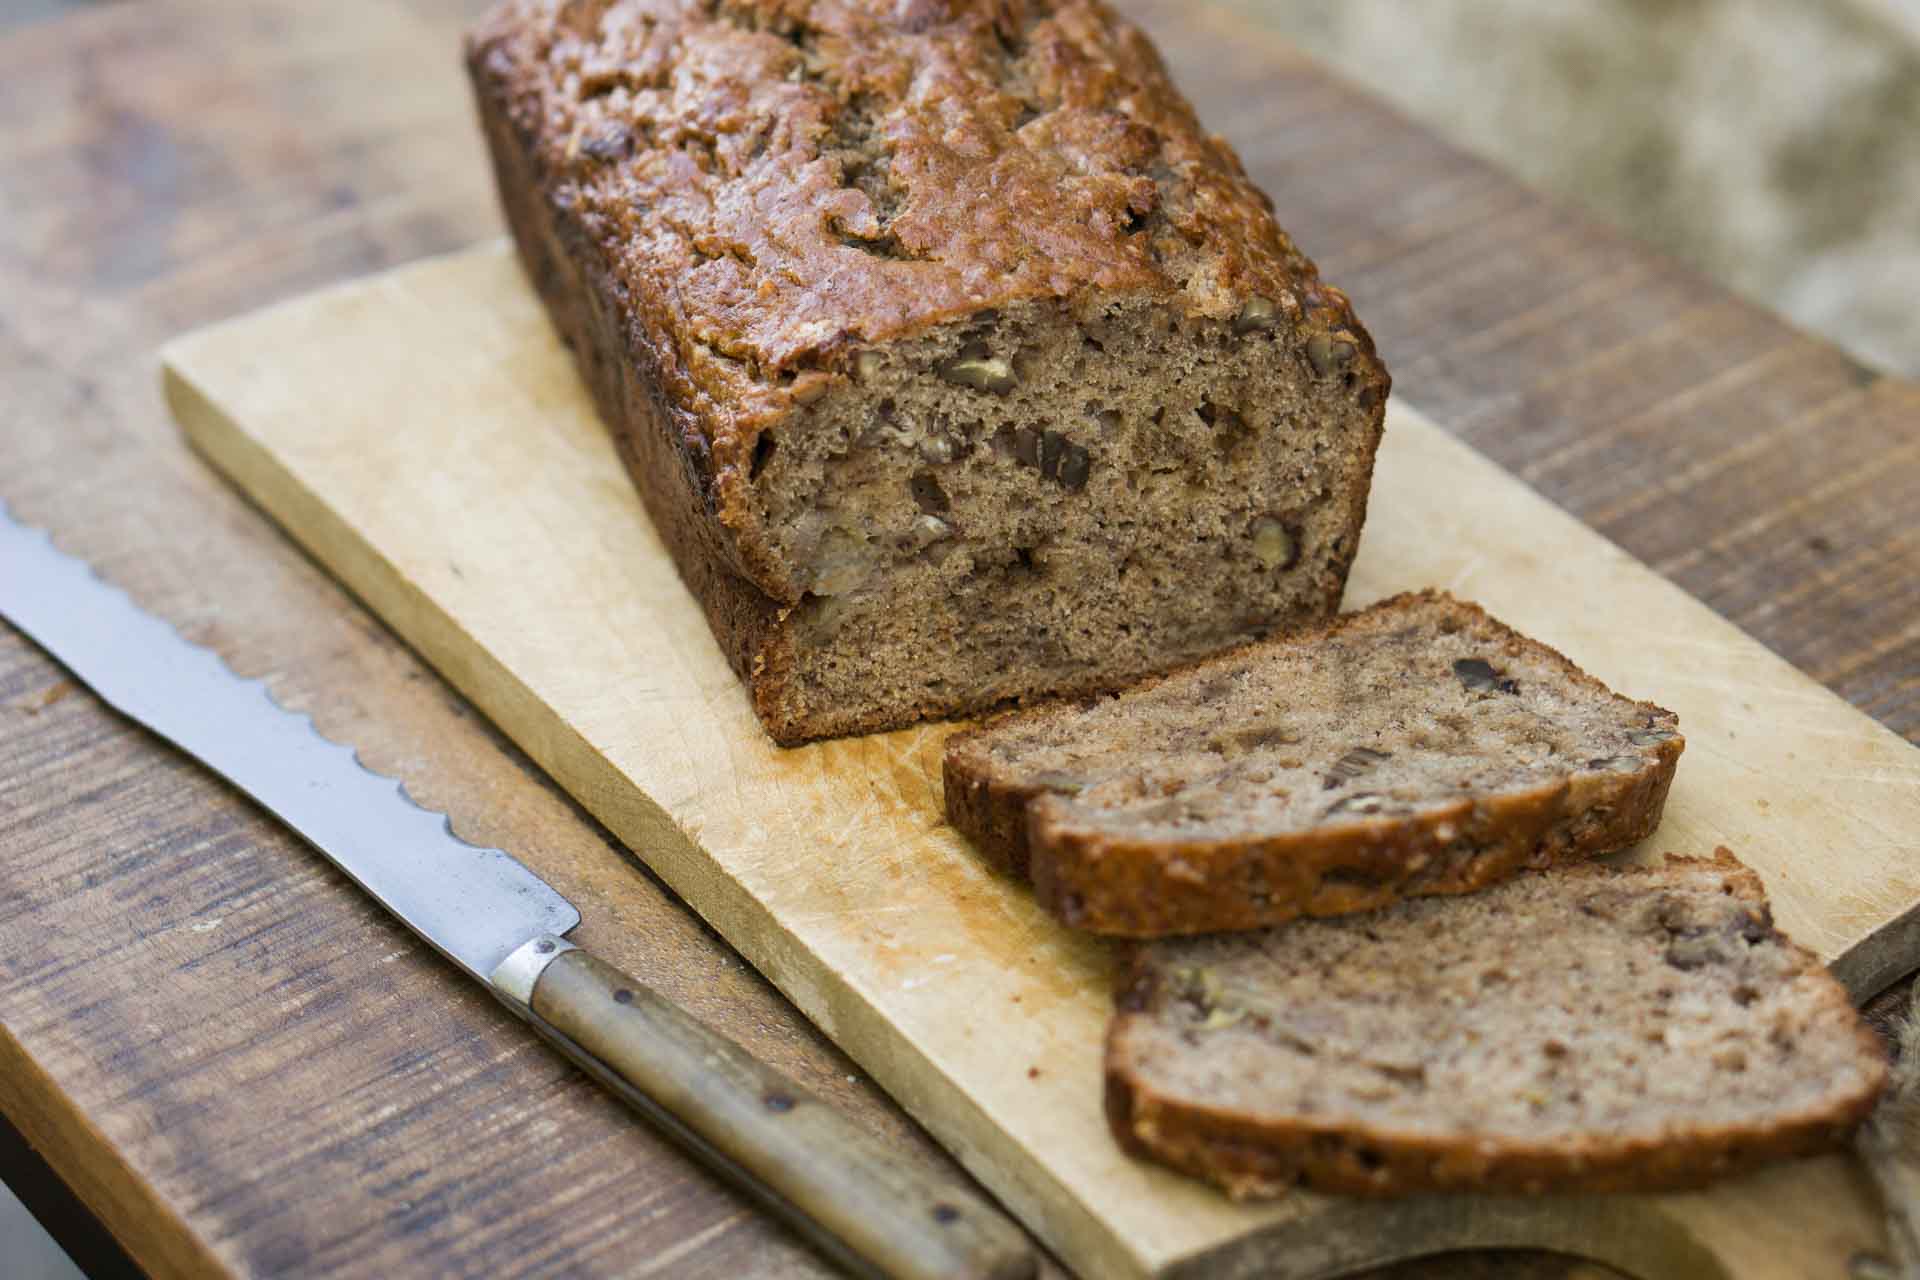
column 797, row 1155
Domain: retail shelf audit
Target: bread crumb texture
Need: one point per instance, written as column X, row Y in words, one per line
column 1589, row 1029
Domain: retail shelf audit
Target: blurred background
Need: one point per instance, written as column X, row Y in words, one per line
column 1773, row 145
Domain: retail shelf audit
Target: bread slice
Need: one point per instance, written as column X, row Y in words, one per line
column 1591, row 1029
column 1416, row 747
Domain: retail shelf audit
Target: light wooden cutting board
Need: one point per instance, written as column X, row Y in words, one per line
column 426, row 437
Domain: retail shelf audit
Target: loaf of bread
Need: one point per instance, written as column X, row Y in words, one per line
column 954, row 361
column 1589, row 1029
column 1417, row 747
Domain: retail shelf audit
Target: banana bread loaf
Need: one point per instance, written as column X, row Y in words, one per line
column 1416, row 747
column 1590, row 1029
column 954, row 361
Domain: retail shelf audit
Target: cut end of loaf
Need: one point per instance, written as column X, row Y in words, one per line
column 1416, row 747
column 1592, row 1029
column 1040, row 501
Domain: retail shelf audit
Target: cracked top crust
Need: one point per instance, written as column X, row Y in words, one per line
column 775, row 184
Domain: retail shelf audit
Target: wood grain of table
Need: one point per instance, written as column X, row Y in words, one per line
column 233, row 1058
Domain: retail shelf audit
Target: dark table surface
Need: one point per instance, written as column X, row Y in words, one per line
column 300, row 1088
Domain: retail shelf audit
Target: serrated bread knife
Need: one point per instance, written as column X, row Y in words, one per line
column 503, row 925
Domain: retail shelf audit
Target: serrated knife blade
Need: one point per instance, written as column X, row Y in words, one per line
column 475, row 905
column 499, row 922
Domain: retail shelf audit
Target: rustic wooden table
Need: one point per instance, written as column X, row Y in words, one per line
column 228, row 1054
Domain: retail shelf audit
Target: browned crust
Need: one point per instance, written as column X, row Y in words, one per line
column 1131, row 888
column 567, row 267
column 1252, row 1156
column 988, row 809
column 688, row 373
column 1060, row 107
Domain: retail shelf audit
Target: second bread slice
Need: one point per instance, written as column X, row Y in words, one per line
column 1417, row 747
column 1591, row 1029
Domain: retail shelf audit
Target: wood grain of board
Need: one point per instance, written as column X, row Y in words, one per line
column 424, row 436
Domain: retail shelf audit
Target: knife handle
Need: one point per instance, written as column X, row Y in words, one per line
column 796, row 1155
